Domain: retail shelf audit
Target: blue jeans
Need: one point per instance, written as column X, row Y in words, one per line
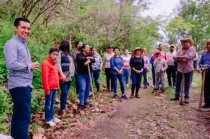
column 136, row 81
column 21, row 97
column 49, row 105
column 84, row 87
column 120, row 78
column 96, row 75
column 64, row 93
column 186, row 83
column 126, row 74
column 145, row 77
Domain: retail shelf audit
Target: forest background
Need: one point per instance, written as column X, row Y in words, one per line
column 98, row 23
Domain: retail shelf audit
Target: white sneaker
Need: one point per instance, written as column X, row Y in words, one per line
column 51, row 123
column 56, row 120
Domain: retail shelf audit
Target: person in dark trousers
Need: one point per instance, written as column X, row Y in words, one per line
column 184, row 58
column 18, row 62
column 153, row 70
column 97, row 67
column 66, row 69
column 137, row 67
column 205, row 61
column 171, row 70
column 106, row 61
column 74, row 52
column 117, row 67
column 84, row 58
column 50, row 82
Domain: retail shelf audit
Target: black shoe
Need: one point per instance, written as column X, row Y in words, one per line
column 81, row 107
column 124, row 97
column 174, row 99
column 131, row 96
column 137, row 96
column 86, row 105
column 206, row 106
column 115, row 96
column 186, row 100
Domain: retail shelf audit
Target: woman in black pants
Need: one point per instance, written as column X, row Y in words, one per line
column 106, row 61
column 137, row 67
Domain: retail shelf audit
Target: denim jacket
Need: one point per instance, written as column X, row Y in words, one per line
column 116, row 62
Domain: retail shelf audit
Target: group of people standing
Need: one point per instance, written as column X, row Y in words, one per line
column 83, row 62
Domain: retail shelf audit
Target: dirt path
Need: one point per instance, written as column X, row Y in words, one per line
column 148, row 117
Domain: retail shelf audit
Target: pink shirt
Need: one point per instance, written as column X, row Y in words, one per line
column 163, row 54
column 186, row 67
column 126, row 61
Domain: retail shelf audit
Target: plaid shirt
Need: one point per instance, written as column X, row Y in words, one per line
column 18, row 62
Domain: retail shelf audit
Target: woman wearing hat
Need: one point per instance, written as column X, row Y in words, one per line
column 205, row 60
column 137, row 67
column 106, row 61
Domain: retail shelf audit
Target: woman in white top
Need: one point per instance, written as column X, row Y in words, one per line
column 106, row 61
column 126, row 71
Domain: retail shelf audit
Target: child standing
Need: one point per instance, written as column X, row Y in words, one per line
column 160, row 66
column 50, row 82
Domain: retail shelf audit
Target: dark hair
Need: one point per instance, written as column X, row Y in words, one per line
column 17, row 21
column 159, row 45
column 83, row 46
column 77, row 42
column 117, row 48
column 92, row 48
column 53, row 50
column 65, row 47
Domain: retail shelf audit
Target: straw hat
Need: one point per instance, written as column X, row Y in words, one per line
column 137, row 48
column 187, row 40
column 172, row 45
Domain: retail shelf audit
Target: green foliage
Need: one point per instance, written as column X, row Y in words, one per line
column 5, row 111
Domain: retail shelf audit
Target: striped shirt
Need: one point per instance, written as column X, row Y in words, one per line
column 18, row 62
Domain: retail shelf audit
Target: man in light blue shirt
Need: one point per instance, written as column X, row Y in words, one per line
column 18, row 62
column 117, row 67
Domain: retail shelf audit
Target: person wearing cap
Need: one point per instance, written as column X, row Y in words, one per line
column 137, row 67
column 160, row 66
column 184, row 58
column 171, row 70
column 126, row 72
column 163, row 54
column 117, row 67
column 205, row 60
column 106, row 62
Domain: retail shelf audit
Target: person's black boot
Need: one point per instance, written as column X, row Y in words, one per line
column 175, row 98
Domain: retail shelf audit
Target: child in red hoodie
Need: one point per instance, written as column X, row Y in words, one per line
column 50, row 82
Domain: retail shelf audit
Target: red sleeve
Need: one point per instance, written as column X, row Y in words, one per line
column 154, row 55
column 45, row 83
column 166, row 58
